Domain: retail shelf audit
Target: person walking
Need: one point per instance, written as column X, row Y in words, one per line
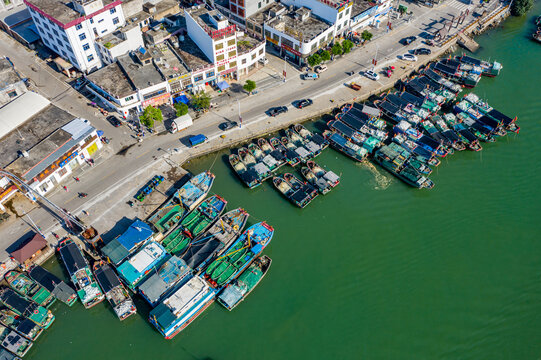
column 65, row 188
column 86, row 213
column 77, row 179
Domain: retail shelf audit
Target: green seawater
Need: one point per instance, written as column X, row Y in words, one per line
column 375, row 269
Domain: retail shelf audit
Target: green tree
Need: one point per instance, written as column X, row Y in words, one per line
column 325, row 55
column 347, row 45
column 366, row 35
column 249, row 86
column 337, row 49
column 181, row 108
column 521, row 7
column 151, row 115
column 314, row 60
column 201, row 101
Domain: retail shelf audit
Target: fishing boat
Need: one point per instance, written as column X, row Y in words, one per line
column 453, row 72
column 182, row 307
column 330, row 177
column 248, row 176
column 301, row 152
column 246, row 157
column 467, row 137
column 435, row 134
column 239, row 255
column 309, row 136
column 488, row 69
column 291, row 156
column 256, row 152
column 420, row 166
column 392, row 159
column 171, row 274
column 6, row 355
column 481, row 131
column 416, row 150
column 487, row 110
column 311, row 148
column 347, row 132
column 431, row 145
column 136, row 269
column 323, row 186
column 346, row 147
column 449, row 134
column 79, row 272
column 57, row 287
column 20, row 324
column 24, row 307
column 298, row 185
column 115, row 292
column 209, row 245
column 449, row 85
column 194, row 224
column 260, row 169
column 298, row 198
column 273, row 157
column 13, row 342
column 236, row 291
column 29, row 288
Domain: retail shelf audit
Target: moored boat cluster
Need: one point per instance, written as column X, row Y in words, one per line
column 406, row 132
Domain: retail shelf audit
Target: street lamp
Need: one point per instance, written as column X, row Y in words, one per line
column 285, row 62
column 240, row 117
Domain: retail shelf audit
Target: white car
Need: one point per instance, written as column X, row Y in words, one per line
column 409, row 57
column 371, row 75
column 264, row 61
column 319, row 69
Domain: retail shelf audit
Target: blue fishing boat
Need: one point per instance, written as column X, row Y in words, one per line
column 120, row 248
column 137, row 268
column 239, row 255
column 172, row 273
column 346, row 147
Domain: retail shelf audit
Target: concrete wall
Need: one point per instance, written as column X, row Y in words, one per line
column 200, row 37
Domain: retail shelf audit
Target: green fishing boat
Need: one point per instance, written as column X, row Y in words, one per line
column 19, row 323
column 194, row 224
column 29, row 288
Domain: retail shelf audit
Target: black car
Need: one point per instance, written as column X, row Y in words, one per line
column 422, row 51
column 304, row 103
column 277, row 110
column 114, row 121
column 228, row 125
column 408, row 40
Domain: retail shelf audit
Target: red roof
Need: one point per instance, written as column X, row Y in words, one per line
column 29, row 248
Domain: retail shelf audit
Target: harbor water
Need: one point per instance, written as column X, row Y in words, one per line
column 374, row 269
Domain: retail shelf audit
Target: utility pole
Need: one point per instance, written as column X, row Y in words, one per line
column 285, row 62
column 240, row 117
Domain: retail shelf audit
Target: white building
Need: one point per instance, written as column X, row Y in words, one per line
column 71, row 27
column 11, row 84
column 337, row 12
column 216, row 38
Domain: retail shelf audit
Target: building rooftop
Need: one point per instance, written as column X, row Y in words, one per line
column 246, row 43
column 292, row 23
column 142, row 76
column 335, row 3
column 191, row 55
column 212, row 21
column 268, row 13
column 113, row 80
column 62, row 11
column 360, row 6
column 167, row 61
column 8, row 75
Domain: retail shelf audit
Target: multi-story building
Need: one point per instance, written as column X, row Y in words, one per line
column 216, row 38
column 336, row 12
column 71, row 27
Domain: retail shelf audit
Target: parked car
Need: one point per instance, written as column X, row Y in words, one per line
column 304, row 103
column 409, row 57
column 321, row 68
column 264, row 61
column 408, row 40
column 114, row 121
column 277, row 110
column 422, row 51
column 197, row 139
column 372, row 75
column 228, row 125
column 311, row 76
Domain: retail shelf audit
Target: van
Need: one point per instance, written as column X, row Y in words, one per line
column 311, row 76
column 197, row 140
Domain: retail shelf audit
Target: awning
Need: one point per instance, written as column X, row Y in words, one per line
column 63, row 63
column 181, row 99
column 222, row 85
column 100, row 133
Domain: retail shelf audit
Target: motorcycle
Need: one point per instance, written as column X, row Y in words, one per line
column 83, row 195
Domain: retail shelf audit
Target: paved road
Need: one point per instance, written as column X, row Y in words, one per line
column 115, row 180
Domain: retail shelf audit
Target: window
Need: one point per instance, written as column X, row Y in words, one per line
column 253, row 56
column 243, row 61
column 91, row 21
column 209, row 74
column 339, row 27
column 112, row 11
column 313, row 46
column 221, row 68
column 231, row 42
column 276, row 37
column 116, row 21
column 198, row 78
column 129, row 98
column 86, row 47
column 330, row 36
column 90, row 57
column 347, row 10
column 232, row 53
column 241, row 3
column 104, row 31
column 78, row 27
column 259, row 5
column 12, row 94
column 232, row 64
column 101, row 20
column 267, row 33
column 340, row 16
column 220, row 57
column 233, row 8
column 250, row 25
column 241, row 12
column 65, row 39
column 219, row 46
column 82, row 36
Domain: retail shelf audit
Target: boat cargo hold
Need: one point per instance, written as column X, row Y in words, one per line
column 87, row 288
column 57, row 287
column 115, row 292
column 236, row 291
column 182, row 307
column 25, row 286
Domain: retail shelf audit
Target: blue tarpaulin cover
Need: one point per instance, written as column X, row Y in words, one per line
column 222, row 85
column 121, row 247
column 181, row 99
